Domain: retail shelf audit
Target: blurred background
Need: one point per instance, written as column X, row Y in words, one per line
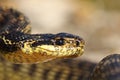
column 96, row 21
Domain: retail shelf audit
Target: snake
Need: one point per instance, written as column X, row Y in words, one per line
column 25, row 56
column 19, row 46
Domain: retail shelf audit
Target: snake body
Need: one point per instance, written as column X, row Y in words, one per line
column 17, row 45
column 68, row 69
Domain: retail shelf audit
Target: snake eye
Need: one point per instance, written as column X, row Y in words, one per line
column 77, row 43
column 59, row 42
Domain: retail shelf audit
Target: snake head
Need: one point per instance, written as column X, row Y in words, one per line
column 69, row 45
column 43, row 47
column 52, row 46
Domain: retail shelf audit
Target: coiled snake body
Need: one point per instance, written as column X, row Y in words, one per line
column 18, row 46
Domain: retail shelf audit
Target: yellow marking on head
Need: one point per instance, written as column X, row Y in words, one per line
column 48, row 47
column 27, row 48
column 7, row 41
column 53, row 50
column 59, row 51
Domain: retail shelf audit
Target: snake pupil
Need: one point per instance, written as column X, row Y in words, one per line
column 59, row 42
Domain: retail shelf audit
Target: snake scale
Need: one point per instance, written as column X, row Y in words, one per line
column 18, row 46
